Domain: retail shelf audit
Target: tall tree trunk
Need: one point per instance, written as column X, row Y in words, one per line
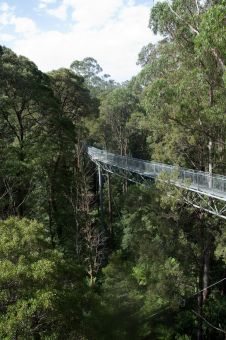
column 200, row 322
column 50, row 215
column 206, row 267
column 200, row 296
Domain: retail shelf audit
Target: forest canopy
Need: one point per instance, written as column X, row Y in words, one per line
column 145, row 265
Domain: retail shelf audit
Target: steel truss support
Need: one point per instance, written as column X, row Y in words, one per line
column 211, row 205
column 199, row 200
column 126, row 174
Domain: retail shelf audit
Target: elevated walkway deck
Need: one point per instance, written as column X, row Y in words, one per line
column 196, row 181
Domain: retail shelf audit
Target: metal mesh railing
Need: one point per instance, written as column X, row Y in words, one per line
column 212, row 185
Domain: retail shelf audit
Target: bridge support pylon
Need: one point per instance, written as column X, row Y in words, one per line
column 101, row 203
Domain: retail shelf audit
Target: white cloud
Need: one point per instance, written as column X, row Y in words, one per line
column 22, row 25
column 5, row 37
column 87, row 11
column 4, row 19
column 47, row 2
column 44, row 3
column 59, row 12
column 113, row 32
column 95, row 13
column 4, row 7
column 6, row 13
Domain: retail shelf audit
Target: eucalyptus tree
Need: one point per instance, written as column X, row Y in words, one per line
column 43, row 294
column 185, row 104
column 116, row 110
column 171, row 251
column 201, row 52
column 26, row 111
column 75, row 211
column 97, row 81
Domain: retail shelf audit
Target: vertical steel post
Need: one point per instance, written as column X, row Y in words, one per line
column 210, row 147
column 101, row 208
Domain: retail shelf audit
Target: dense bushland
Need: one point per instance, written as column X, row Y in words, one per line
column 143, row 272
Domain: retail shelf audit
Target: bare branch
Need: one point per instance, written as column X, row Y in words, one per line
column 218, row 58
column 208, row 323
column 193, row 30
column 197, row 6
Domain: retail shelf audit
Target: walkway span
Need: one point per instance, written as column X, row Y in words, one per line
column 202, row 183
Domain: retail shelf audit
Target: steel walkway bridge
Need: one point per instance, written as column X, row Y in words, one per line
column 202, row 190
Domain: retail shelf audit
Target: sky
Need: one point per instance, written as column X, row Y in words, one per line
column 54, row 33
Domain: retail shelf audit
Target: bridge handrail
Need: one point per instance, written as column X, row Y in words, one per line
column 199, row 179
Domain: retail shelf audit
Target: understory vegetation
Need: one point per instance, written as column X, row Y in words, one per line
column 142, row 271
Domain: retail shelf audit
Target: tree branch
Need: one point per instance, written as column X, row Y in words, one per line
column 208, row 323
column 193, row 30
column 197, row 6
column 218, row 58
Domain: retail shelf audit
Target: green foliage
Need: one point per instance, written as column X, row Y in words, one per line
column 213, row 30
column 121, row 300
column 91, row 71
column 221, row 246
column 180, row 107
column 116, row 110
column 41, row 291
column 63, row 277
